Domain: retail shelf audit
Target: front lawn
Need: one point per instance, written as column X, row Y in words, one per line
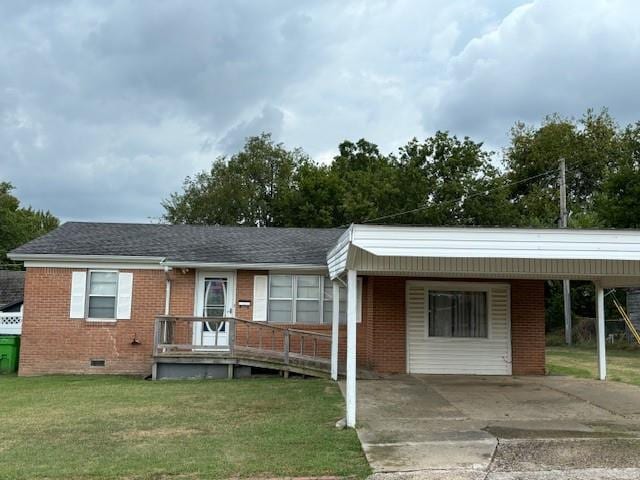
column 116, row 427
column 622, row 365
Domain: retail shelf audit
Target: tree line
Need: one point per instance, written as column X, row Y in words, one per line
column 441, row 180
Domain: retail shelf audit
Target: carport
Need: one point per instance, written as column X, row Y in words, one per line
column 609, row 258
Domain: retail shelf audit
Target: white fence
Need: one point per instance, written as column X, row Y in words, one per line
column 10, row 323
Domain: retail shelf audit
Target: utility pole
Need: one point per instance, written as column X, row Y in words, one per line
column 566, row 290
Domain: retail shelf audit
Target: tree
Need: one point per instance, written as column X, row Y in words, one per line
column 589, row 147
column 249, row 188
column 18, row 225
column 618, row 204
column 453, row 180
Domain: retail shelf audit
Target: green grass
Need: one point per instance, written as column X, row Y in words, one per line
column 116, row 427
column 622, row 365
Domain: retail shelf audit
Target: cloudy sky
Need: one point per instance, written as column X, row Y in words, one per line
column 105, row 107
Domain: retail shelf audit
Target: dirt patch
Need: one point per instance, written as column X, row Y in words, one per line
column 158, row 433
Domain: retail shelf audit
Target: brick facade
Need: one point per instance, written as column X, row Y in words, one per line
column 527, row 327
column 54, row 343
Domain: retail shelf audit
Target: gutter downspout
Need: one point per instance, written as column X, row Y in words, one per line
column 167, row 294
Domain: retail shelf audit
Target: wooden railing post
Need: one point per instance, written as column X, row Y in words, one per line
column 232, row 334
column 286, row 347
column 156, row 336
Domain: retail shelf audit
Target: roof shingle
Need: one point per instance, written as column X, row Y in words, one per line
column 11, row 287
column 189, row 243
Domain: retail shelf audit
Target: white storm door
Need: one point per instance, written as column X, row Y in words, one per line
column 214, row 299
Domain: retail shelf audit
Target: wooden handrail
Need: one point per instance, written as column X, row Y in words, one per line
column 279, row 345
column 310, row 332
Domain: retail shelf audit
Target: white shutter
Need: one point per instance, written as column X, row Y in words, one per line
column 125, row 284
column 260, row 292
column 78, row 294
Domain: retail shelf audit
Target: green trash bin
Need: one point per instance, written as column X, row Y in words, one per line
column 9, row 353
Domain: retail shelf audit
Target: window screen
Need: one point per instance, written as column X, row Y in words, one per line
column 103, row 290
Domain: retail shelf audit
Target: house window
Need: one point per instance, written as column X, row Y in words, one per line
column 103, row 289
column 294, row 298
column 281, row 298
column 327, row 314
column 305, row 299
column 457, row 313
column 307, row 308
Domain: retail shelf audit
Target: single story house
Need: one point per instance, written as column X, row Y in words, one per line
column 106, row 297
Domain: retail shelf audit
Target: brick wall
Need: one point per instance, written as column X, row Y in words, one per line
column 527, row 327
column 54, row 343
column 385, row 350
column 386, row 342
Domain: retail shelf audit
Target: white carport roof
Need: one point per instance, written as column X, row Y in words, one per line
column 609, row 256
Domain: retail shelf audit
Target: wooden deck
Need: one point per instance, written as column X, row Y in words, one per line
column 240, row 343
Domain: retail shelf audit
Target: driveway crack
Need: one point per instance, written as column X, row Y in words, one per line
column 492, row 460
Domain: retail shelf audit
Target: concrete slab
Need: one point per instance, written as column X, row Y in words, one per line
column 574, row 474
column 446, row 427
column 615, row 397
column 402, row 457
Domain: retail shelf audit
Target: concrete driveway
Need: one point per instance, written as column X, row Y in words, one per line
column 500, row 427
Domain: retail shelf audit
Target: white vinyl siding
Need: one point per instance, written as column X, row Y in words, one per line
column 442, row 355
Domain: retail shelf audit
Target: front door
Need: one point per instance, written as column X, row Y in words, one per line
column 214, row 300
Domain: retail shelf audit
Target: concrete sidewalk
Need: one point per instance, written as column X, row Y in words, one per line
column 499, row 427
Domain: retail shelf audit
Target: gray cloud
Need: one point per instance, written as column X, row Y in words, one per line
column 270, row 119
column 106, row 107
column 545, row 57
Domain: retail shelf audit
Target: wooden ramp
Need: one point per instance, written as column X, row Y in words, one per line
column 216, row 347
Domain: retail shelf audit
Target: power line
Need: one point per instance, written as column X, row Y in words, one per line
column 473, row 195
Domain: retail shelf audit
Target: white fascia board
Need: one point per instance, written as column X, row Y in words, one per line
column 247, row 266
column 497, row 243
column 337, row 257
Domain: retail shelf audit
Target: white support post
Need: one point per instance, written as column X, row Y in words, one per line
column 352, row 298
column 602, row 353
column 335, row 332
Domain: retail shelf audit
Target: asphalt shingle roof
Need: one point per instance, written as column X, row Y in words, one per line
column 11, row 287
column 191, row 243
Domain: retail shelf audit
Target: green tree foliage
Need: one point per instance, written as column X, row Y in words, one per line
column 18, row 225
column 453, row 180
column 249, row 188
column 589, row 146
column 618, row 204
column 443, row 178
